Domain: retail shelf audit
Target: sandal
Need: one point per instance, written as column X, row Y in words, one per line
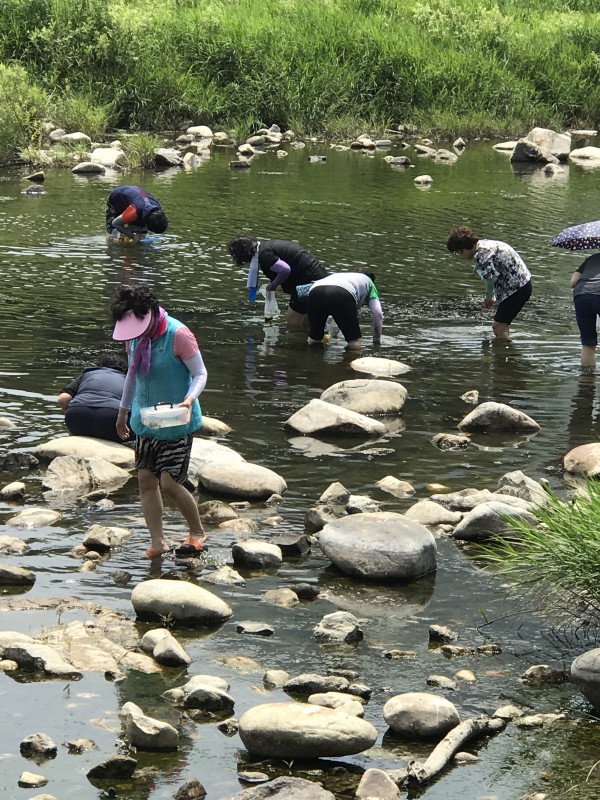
column 191, row 547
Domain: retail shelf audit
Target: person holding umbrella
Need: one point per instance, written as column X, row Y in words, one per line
column 585, row 283
column 507, row 279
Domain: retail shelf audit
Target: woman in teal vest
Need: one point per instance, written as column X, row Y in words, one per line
column 165, row 366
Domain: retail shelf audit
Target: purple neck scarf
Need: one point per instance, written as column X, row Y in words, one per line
column 143, row 348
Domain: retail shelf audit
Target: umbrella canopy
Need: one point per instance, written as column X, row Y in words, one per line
column 580, row 237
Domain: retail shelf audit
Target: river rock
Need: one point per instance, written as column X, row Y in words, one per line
column 386, row 367
column 182, row 601
column 442, row 682
column 169, row 651
column 291, row 544
column 75, row 138
column 255, row 628
column 108, row 156
column 395, row 487
column 151, row 638
column 326, row 418
column 275, row 678
column 216, row 511
column 493, row 417
column 348, row 703
column 488, row 520
column 430, row 514
column 528, row 151
column 420, row 715
column 441, row 634
column 190, row 790
column 317, row 517
column 311, row 683
column 224, row 576
column 30, row 518
column 540, row 674
column 584, row 460
column 520, row 485
column 450, row 441
column 587, row 156
column 38, row 744
column 365, row 396
column 284, row 598
column 102, row 537
column 303, row 731
column 15, row 576
column 379, row 546
column 88, row 168
column 361, row 504
column 17, row 460
column 505, row 147
column 585, row 674
column 30, row 780
column 13, row 490
column 241, row 479
column 69, row 473
column 42, row 659
column 147, row 733
column 286, row 788
column 423, row 180
column 376, row 784
column 87, row 447
column 208, row 698
column 114, row 767
column 256, row 553
column 339, row 627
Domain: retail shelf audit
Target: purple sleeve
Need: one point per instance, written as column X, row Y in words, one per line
column 282, row 270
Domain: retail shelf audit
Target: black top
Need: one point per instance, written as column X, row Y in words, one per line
column 97, row 387
column 305, row 267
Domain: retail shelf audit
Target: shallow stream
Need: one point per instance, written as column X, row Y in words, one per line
column 353, row 211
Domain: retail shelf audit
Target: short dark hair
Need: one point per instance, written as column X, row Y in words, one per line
column 139, row 299
column 112, row 361
column 157, row 221
column 241, row 248
column 461, row 238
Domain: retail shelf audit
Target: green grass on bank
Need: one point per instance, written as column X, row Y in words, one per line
column 457, row 65
column 556, row 563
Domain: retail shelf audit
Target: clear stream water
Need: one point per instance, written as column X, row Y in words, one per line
column 353, row 211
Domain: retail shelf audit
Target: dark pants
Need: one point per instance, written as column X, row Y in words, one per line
column 587, row 310
column 337, row 302
column 509, row 308
column 97, row 422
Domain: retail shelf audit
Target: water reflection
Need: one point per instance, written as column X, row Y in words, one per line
column 584, row 420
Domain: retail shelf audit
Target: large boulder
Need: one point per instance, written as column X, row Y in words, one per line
column 87, row 447
column 367, row 396
column 241, row 479
column 559, row 144
column 108, row 156
column 420, row 715
column 379, row 546
column 498, row 417
column 184, row 602
column 584, row 460
column 528, row 151
column 585, row 674
column 303, row 731
column 81, row 475
column 327, row 418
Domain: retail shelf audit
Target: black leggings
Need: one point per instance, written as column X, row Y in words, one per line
column 326, row 300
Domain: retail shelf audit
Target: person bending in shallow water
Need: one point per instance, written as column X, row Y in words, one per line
column 165, row 365
column 341, row 295
column 284, row 263
column 503, row 270
column 133, row 212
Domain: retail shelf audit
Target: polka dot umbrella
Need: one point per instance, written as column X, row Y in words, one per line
column 580, row 237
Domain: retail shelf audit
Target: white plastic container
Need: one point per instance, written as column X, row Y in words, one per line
column 164, row 415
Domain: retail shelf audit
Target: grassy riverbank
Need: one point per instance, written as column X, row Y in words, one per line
column 461, row 66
